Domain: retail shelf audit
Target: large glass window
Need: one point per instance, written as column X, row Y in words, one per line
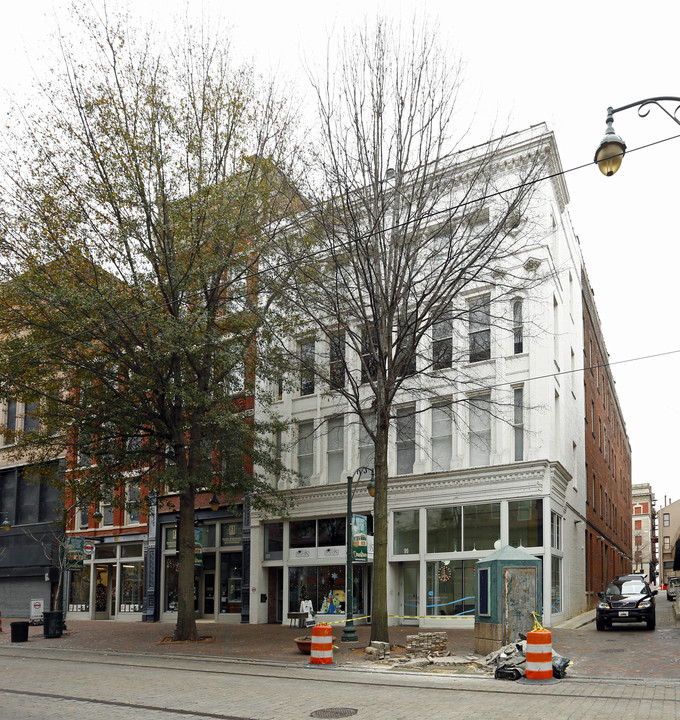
column 231, row 533
column 518, row 422
column 451, row 587
column 332, row 531
column 441, row 436
column 406, row 440
column 480, row 430
column 323, row 585
column 335, row 451
column 526, row 523
column 406, row 532
column 273, row 541
column 231, row 572
column 79, row 591
column 481, row 526
column 303, row 533
column 131, row 586
column 307, row 367
column 170, row 593
column 442, row 341
column 444, row 529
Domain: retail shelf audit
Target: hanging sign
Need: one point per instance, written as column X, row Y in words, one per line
column 359, row 538
column 198, row 547
column 74, row 554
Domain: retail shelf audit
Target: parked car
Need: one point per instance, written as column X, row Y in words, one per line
column 672, row 587
column 627, row 599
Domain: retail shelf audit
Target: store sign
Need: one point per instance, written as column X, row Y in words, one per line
column 198, row 547
column 75, row 554
column 359, row 538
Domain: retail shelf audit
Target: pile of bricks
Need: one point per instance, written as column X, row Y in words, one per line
column 427, row 643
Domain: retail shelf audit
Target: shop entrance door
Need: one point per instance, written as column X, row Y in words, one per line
column 105, row 592
column 209, row 594
column 409, row 592
column 275, row 595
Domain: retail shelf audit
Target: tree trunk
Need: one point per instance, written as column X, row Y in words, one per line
column 379, row 628
column 186, row 618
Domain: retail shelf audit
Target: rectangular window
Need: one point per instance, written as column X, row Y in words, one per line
column 369, row 353
column 307, row 368
column 336, row 368
column 442, row 341
column 303, row 533
column 518, row 422
column 323, row 585
column 305, row 449
column 31, row 423
column 525, row 518
column 480, row 329
column 406, row 440
column 231, row 572
column 406, row 350
column 556, row 584
column 332, row 531
column 11, row 421
column 480, row 430
column 273, row 541
column 666, row 519
column 481, row 526
column 366, row 446
column 132, row 503
column 335, row 455
column 666, row 543
column 555, row 531
column 451, row 587
column 441, row 437
column 517, row 327
column 406, row 532
column 444, row 529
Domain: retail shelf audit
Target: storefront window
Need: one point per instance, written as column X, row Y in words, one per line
column 231, row 533
column 443, row 529
column 105, row 552
column 171, row 538
column 303, row 533
column 170, row 594
column 273, row 541
column 131, row 550
column 131, row 587
column 526, row 523
column 332, row 531
column 231, row 571
column 207, row 536
column 406, row 529
column 323, row 585
column 451, row 587
column 556, row 584
column 79, row 591
column 481, row 526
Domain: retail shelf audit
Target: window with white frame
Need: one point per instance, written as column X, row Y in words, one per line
column 31, row 423
column 335, row 456
column 305, row 449
column 442, row 341
column 307, row 367
column 480, row 329
column 406, row 440
column 518, row 422
column 555, row 531
column 369, row 346
column 666, row 519
column 336, row 370
column 366, row 446
column 517, row 327
column 441, row 436
column 132, row 503
column 480, row 429
column 10, row 421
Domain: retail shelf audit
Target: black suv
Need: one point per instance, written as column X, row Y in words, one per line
column 626, row 599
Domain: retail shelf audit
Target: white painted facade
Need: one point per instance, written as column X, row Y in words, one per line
column 538, row 493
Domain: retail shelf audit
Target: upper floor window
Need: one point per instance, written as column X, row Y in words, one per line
column 405, row 352
column 518, row 422
column 31, row 423
column 11, row 421
column 366, row 445
column 517, row 327
column 666, row 519
column 305, row 452
column 480, row 329
column 441, row 436
column 337, row 360
column 307, row 367
column 406, row 440
column 132, row 503
column 442, row 341
column 335, row 455
column 480, row 429
column 369, row 347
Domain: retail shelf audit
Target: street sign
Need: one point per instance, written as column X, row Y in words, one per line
column 359, row 538
column 88, row 547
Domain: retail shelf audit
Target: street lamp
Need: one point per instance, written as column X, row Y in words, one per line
column 6, row 524
column 349, row 634
column 612, row 148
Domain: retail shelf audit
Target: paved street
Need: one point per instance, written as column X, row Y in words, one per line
column 125, row 670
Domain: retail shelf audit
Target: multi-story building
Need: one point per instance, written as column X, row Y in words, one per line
column 457, row 490
column 645, row 538
column 608, row 459
column 669, row 541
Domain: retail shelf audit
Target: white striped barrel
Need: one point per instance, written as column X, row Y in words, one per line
column 539, row 655
column 322, row 645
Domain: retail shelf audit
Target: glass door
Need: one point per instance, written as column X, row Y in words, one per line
column 105, row 592
column 410, row 595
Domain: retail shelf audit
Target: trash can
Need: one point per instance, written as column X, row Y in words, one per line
column 19, row 631
column 53, row 624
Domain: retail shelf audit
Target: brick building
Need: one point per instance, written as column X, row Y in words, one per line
column 608, row 540
column 644, row 529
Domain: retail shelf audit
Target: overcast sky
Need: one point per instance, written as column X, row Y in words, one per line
column 526, row 62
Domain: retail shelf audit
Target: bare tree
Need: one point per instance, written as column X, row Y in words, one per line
column 405, row 240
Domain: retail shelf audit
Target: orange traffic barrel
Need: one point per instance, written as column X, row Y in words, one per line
column 322, row 645
column 539, row 655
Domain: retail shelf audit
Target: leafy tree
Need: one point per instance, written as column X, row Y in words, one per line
column 402, row 229
column 138, row 192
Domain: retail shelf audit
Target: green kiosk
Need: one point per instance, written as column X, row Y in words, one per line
column 508, row 588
